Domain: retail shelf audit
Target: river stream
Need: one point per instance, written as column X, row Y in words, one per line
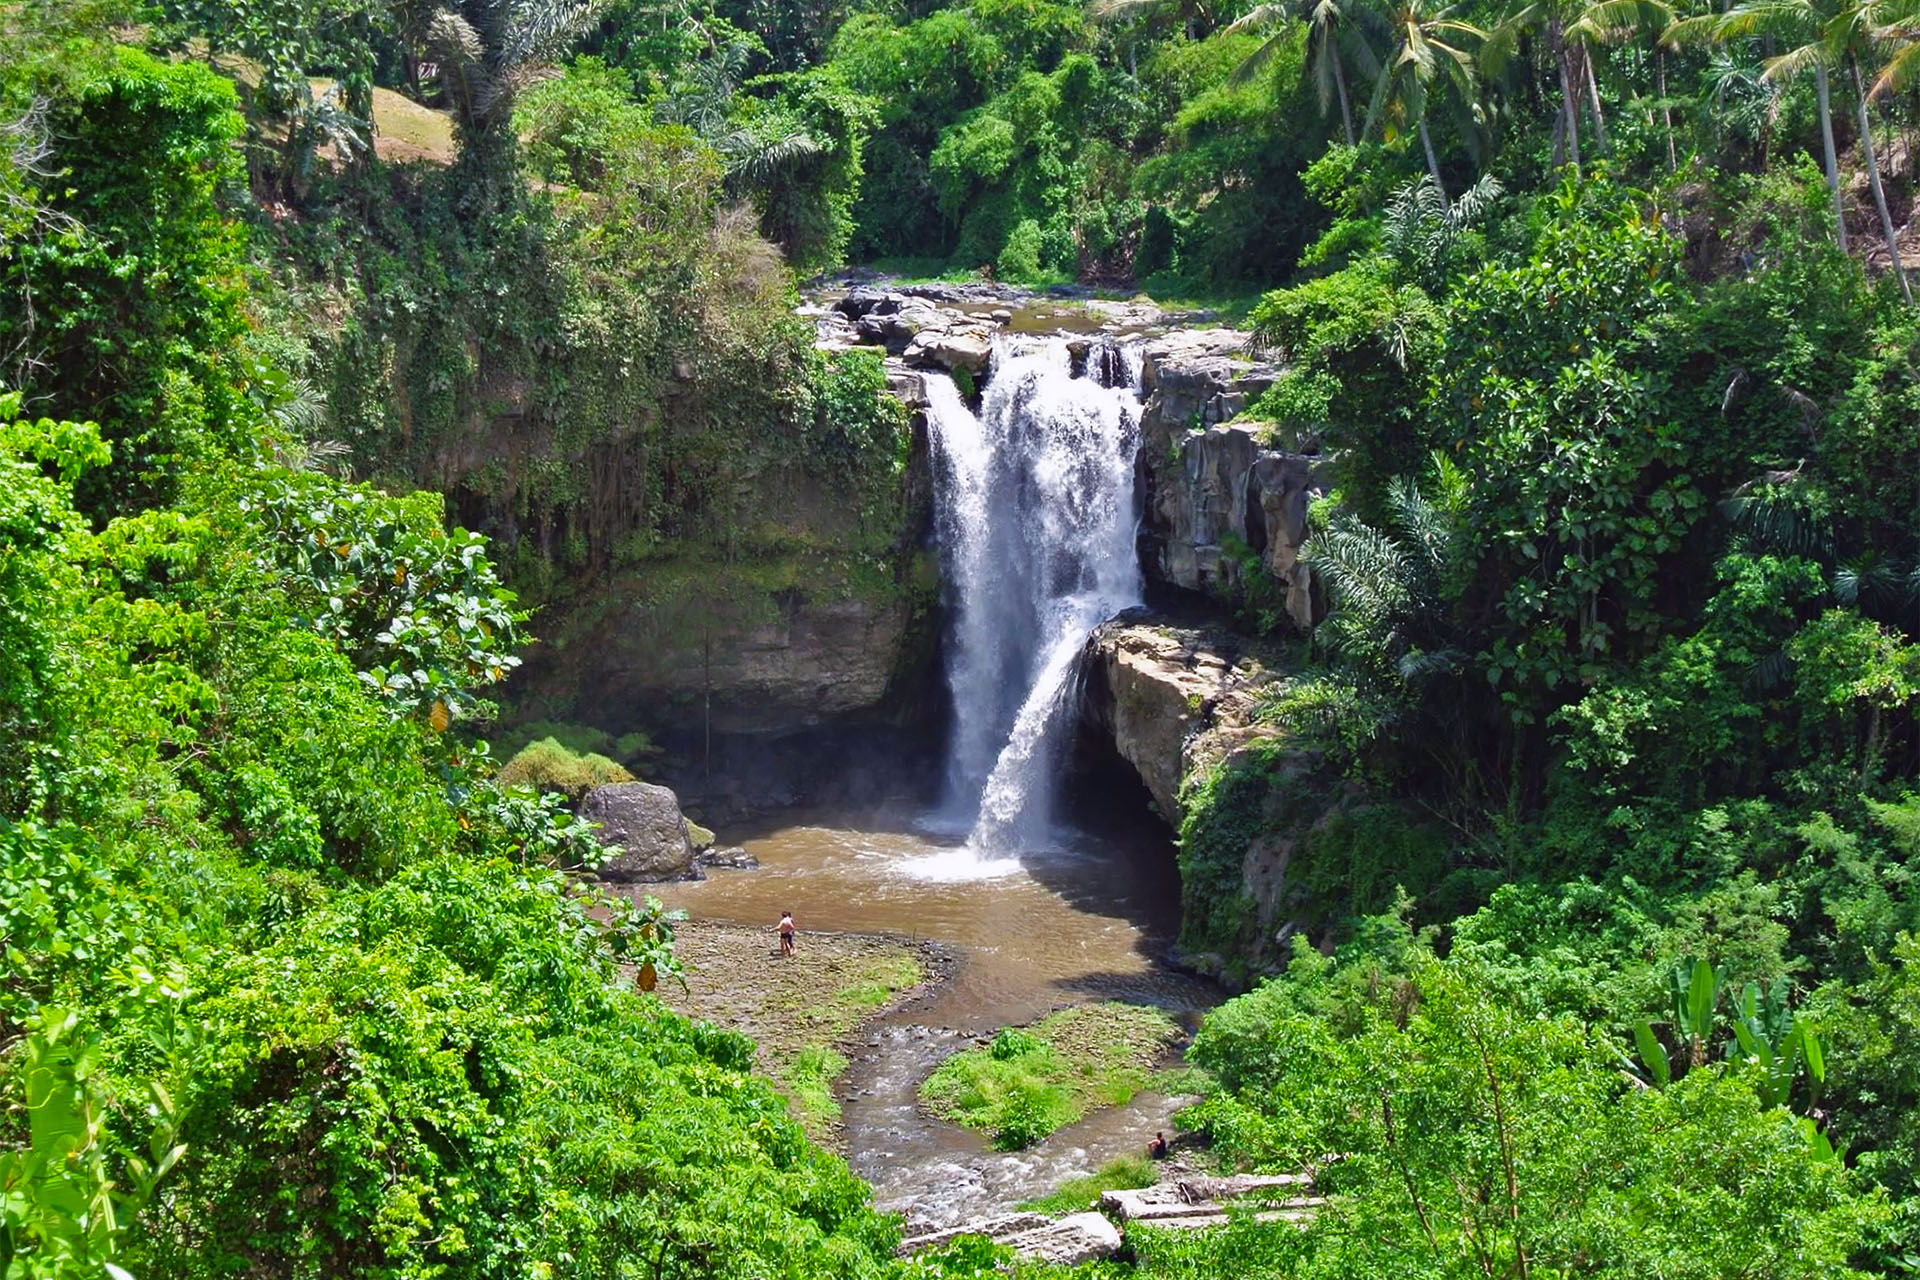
column 1087, row 920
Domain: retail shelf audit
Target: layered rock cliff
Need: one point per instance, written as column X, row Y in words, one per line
column 1226, row 513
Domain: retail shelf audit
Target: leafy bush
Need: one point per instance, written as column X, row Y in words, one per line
column 1019, row 259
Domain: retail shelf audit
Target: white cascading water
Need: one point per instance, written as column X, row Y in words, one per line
column 1036, row 510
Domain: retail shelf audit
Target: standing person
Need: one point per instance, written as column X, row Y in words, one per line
column 786, row 933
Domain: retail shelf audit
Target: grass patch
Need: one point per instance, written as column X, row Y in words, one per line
column 810, row 1087
column 795, row 1010
column 551, row 766
column 1034, row 1080
column 1077, row 1194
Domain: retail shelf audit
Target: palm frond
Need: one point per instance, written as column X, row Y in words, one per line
column 1259, row 60
column 1610, row 20
column 1795, row 63
column 1364, row 570
column 1257, row 18
column 1903, row 67
column 1121, row 10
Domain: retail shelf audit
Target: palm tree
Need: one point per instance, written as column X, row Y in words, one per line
column 1573, row 30
column 491, row 50
column 1420, row 59
column 1801, row 23
column 1829, row 34
column 1852, row 33
column 1337, row 31
column 1606, row 21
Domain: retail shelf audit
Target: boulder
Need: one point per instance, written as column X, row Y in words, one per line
column 1068, row 1241
column 643, row 826
column 966, row 347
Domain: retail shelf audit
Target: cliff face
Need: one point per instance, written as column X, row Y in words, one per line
column 1179, row 704
column 1226, row 515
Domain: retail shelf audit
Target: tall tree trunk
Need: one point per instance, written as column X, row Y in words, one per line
column 1340, row 87
column 1567, row 109
column 1826, row 141
column 1593, row 99
column 1873, row 177
column 1666, row 112
column 1559, row 139
column 1433, row 164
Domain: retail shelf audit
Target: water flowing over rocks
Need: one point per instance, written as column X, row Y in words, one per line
column 1035, row 510
column 642, row 823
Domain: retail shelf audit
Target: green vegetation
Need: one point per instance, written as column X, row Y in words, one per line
column 1029, row 1082
column 1594, row 788
column 1076, row 1195
column 549, row 766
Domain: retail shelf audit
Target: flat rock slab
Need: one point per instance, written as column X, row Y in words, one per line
column 1068, row 1241
column 996, row 1228
column 1301, row 1212
column 1081, row 1237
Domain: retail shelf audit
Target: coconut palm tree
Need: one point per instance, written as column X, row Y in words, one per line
column 1824, row 35
column 1609, row 21
column 1801, row 24
column 1853, row 35
column 1338, row 32
column 1422, row 59
column 1573, row 29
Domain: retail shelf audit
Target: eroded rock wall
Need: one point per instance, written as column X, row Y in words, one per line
column 1180, row 705
column 1221, row 504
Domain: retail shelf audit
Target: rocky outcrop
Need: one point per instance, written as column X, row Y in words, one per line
column 1220, row 503
column 1066, row 1242
column 642, row 824
column 1168, row 699
column 1174, row 703
column 918, row 330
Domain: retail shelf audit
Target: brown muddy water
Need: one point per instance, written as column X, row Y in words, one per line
column 1085, row 922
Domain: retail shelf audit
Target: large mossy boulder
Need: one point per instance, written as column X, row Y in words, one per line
column 643, row 826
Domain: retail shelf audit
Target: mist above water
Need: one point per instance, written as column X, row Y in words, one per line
column 1036, row 511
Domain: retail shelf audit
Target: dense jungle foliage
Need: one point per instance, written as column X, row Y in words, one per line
column 1597, row 781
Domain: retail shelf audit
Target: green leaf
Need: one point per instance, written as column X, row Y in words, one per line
column 1700, row 992
column 1652, row 1053
column 1810, row 1050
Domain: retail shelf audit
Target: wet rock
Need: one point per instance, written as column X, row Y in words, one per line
column 908, row 386
column 732, row 858
column 966, row 347
column 642, row 823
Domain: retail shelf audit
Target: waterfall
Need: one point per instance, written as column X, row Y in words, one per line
column 1036, row 514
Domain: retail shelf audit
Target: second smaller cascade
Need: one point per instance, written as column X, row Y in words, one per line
column 1037, row 516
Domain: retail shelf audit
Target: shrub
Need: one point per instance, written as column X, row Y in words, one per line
column 1019, row 259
